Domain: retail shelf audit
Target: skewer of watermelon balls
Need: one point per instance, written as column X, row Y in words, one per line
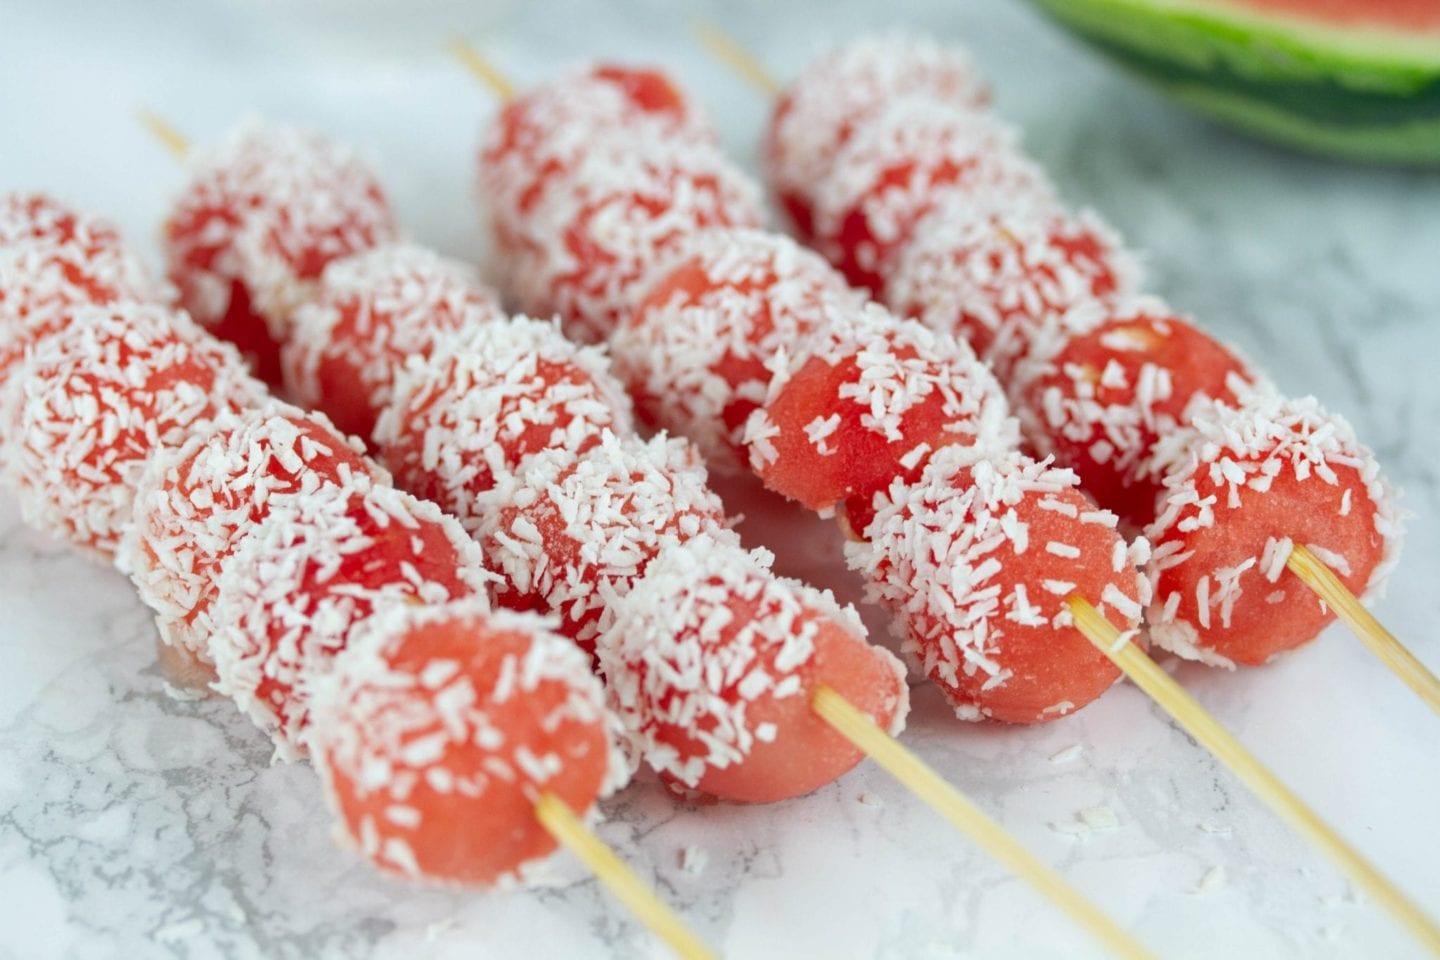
column 348, row 619
column 1249, row 484
column 1101, row 375
column 559, row 231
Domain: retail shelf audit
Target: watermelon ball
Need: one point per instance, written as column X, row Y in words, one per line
column 439, row 729
column 53, row 260
column 544, row 132
column 195, row 501
column 291, row 591
column 594, row 239
column 1104, row 396
column 1242, row 485
column 867, row 399
column 842, row 91
column 28, row 217
column 901, row 166
column 97, row 400
column 573, row 532
column 695, row 352
column 263, row 213
column 489, row 397
column 999, row 277
column 977, row 558
column 713, row 662
column 371, row 311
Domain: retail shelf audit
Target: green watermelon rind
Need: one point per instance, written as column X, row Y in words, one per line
column 1357, row 94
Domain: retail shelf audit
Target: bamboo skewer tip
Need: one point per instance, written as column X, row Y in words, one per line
column 733, row 54
column 163, row 131
column 482, row 69
column 571, row 833
column 942, row 797
column 1322, row 581
column 1146, row 674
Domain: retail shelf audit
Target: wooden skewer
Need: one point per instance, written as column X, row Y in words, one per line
column 1318, row 576
column 1146, row 674
column 482, row 69
column 169, row 137
column 943, row 798
column 557, row 817
column 553, row 813
column 729, row 51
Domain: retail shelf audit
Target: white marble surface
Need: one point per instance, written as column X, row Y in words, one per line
column 132, row 825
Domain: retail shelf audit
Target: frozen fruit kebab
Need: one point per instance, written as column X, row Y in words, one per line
column 243, row 500
column 1220, row 373
column 684, row 639
column 1099, row 383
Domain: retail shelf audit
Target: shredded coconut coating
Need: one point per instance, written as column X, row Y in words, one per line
column 712, row 661
column 842, row 90
column 1100, row 400
column 573, row 532
column 196, row 500
column 540, row 135
column 866, row 399
column 53, row 260
column 487, row 398
column 371, row 311
column 620, row 211
column 97, row 400
column 976, row 560
column 265, row 210
column 695, row 352
column 999, row 276
column 1242, row 485
column 900, row 166
column 293, row 589
column 440, row 727
column 28, row 217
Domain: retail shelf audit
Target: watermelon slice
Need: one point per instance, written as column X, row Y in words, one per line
column 1353, row 79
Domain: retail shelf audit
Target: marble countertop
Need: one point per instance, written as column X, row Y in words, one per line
column 136, row 825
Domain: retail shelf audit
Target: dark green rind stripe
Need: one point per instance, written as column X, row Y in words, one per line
column 1412, row 143
column 1270, row 84
column 1320, row 100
